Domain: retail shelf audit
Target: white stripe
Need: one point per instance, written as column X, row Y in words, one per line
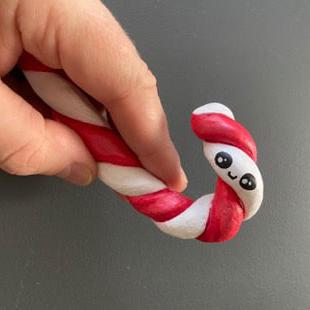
column 241, row 165
column 192, row 222
column 129, row 181
column 214, row 107
column 64, row 97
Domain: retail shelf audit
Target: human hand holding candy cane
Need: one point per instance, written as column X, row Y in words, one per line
column 211, row 218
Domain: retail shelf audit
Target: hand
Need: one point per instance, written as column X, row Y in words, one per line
column 84, row 39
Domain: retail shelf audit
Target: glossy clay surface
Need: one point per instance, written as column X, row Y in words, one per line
column 69, row 248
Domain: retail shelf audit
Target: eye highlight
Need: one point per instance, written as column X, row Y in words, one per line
column 223, row 160
column 248, row 182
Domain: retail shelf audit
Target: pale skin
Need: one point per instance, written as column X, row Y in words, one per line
column 85, row 40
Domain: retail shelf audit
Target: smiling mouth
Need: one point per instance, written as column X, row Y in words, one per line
column 233, row 177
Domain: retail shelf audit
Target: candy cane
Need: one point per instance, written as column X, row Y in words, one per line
column 228, row 146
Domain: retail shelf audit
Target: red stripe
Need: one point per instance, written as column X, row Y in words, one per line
column 28, row 62
column 225, row 217
column 162, row 205
column 104, row 144
column 219, row 128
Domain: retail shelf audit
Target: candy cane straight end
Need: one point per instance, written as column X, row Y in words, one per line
column 228, row 146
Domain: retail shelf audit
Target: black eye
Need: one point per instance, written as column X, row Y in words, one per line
column 223, row 160
column 248, row 182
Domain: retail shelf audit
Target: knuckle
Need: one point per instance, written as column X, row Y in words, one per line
column 27, row 157
column 39, row 35
column 135, row 82
column 26, row 160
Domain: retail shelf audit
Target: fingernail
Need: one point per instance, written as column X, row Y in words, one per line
column 181, row 185
column 77, row 173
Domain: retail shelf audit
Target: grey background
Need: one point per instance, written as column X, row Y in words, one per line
column 64, row 247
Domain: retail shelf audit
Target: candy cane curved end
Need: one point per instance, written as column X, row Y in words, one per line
column 228, row 146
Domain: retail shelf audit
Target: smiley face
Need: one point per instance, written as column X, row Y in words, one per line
column 239, row 171
column 224, row 161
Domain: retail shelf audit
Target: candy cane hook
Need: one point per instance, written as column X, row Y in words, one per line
column 228, row 147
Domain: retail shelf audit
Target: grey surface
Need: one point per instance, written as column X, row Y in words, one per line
column 68, row 248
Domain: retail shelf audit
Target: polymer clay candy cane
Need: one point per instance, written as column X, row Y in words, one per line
column 227, row 145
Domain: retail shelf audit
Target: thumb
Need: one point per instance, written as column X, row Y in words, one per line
column 30, row 144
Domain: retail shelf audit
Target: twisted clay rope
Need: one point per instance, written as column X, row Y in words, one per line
column 228, row 146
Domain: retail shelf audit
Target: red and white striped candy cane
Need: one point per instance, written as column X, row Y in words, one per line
column 228, row 146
